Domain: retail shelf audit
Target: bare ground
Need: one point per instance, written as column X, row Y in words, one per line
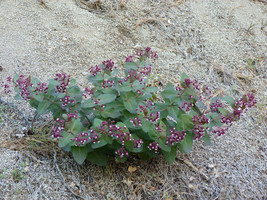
column 222, row 43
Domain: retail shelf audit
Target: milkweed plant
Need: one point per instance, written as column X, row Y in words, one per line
column 123, row 116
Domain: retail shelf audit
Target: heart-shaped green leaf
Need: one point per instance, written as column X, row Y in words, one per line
column 186, row 144
column 106, row 98
column 170, row 156
column 229, row 100
column 97, row 157
column 129, row 101
column 67, row 138
column 79, row 153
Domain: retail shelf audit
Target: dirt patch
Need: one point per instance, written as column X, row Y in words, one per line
column 222, row 43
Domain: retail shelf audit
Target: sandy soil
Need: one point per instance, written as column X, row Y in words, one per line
column 222, row 43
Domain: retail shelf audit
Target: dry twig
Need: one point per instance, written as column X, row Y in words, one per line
column 262, row 1
column 62, row 177
column 78, row 3
column 189, row 164
column 141, row 21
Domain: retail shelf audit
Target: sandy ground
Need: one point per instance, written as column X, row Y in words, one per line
column 222, row 43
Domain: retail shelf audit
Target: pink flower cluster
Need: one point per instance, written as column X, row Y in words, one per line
column 199, row 129
column 178, row 88
column 228, row 119
column 107, row 84
column 220, row 130
column 186, row 107
column 121, row 135
column 133, row 76
column 205, row 91
column 153, row 117
column 143, row 108
column 72, row 115
column 147, row 53
column 58, row 127
column 174, row 137
column 240, row 106
column 145, row 70
column 136, row 122
column 200, row 119
column 158, row 128
column 24, row 85
column 60, row 124
column 6, row 85
column 94, row 70
column 247, row 101
column 139, row 91
column 64, row 80
column 149, row 106
column 137, row 143
column 118, row 133
column 121, row 152
column 188, row 82
column 81, row 139
column 42, row 87
column 94, row 136
column 215, row 105
column 129, row 58
column 109, row 65
column 88, row 91
column 67, row 100
column 154, row 146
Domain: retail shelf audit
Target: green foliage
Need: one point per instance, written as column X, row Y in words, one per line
column 229, row 100
column 17, row 174
column 185, row 146
column 124, row 116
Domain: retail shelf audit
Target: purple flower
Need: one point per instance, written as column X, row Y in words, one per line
column 94, row 70
column 220, row 131
column 137, row 143
column 136, row 122
column 147, row 53
column 24, row 86
column 199, row 131
column 81, row 139
column 64, row 80
column 154, row 146
column 121, row 152
column 187, row 82
column 129, row 58
column 174, row 137
column 109, row 65
column 215, row 105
